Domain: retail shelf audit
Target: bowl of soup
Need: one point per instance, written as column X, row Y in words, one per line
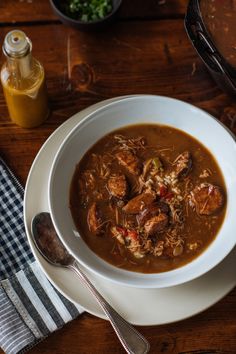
column 142, row 192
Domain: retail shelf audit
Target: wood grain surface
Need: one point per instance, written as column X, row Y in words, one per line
column 145, row 51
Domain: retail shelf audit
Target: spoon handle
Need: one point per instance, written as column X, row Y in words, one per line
column 132, row 341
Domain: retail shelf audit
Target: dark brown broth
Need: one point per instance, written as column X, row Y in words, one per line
column 170, row 142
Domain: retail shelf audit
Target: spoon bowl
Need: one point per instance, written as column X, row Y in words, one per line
column 47, row 241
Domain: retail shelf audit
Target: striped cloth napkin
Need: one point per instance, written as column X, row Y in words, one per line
column 30, row 307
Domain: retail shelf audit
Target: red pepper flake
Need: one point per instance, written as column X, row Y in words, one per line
column 163, row 191
column 132, row 234
column 122, row 231
column 169, row 196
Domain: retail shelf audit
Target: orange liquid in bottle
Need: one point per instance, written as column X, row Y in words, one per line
column 24, row 87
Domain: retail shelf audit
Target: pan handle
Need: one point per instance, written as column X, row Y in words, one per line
column 202, row 43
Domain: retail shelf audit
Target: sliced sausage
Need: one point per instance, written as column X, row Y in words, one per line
column 183, row 164
column 117, row 186
column 137, row 204
column 206, row 199
column 152, row 210
column 156, row 224
column 129, row 161
column 94, row 219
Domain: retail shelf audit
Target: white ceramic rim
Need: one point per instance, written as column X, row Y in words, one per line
column 177, row 276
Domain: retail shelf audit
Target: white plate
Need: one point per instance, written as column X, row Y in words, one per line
column 181, row 301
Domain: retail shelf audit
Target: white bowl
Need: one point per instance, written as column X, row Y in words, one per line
column 133, row 110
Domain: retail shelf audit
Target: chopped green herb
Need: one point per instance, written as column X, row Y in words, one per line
column 157, row 163
column 88, row 10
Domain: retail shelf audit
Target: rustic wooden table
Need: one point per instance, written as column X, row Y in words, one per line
column 145, row 51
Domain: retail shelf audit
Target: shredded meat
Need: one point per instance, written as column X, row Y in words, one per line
column 129, row 161
column 152, row 210
column 94, row 219
column 137, row 204
column 158, row 249
column 118, row 186
column 206, row 199
column 156, row 224
column 129, row 238
column 183, row 164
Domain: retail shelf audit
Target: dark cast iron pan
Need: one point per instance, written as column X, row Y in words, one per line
column 223, row 73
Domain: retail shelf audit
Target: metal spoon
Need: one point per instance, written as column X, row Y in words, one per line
column 49, row 245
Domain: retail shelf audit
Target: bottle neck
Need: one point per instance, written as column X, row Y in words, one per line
column 20, row 72
column 20, row 67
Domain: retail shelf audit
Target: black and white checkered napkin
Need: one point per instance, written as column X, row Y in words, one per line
column 30, row 307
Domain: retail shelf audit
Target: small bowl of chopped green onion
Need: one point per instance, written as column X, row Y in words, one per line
column 85, row 14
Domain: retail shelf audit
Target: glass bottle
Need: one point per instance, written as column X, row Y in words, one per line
column 23, row 81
